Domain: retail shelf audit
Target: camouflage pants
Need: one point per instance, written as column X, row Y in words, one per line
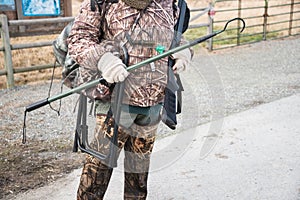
column 137, row 142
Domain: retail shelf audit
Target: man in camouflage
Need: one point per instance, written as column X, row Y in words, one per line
column 95, row 43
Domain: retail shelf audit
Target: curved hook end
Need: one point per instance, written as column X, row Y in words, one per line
column 237, row 18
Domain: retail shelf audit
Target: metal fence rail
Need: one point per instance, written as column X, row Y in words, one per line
column 264, row 20
column 207, row 23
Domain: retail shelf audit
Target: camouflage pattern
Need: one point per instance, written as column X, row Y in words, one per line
column 146, row 29
column 94, row 34
column 137, row 142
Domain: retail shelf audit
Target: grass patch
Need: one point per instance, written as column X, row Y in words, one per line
column 192, row 34
column 229, row 37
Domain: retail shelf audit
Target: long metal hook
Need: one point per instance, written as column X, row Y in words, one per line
column 238, row 18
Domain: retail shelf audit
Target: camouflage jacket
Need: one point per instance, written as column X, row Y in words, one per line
column 140, row 32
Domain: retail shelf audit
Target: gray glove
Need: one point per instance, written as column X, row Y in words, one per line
column 112, row 68
column 182, row 60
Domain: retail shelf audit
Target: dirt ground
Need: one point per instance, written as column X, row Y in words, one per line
column 25, row 167
column 44, row 157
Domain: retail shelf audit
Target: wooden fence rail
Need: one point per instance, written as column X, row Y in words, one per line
column 7, row 47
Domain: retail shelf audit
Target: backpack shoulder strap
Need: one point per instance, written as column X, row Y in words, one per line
column 185, row 15
column 98, row 2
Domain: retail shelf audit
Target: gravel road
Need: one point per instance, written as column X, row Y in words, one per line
column 229, row 81
column 217, row 84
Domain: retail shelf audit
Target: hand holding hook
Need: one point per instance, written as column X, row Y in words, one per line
column 47, row 101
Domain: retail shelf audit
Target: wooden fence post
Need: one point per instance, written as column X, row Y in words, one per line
column 7, row 51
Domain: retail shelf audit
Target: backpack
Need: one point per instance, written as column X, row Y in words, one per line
column 60, row 50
